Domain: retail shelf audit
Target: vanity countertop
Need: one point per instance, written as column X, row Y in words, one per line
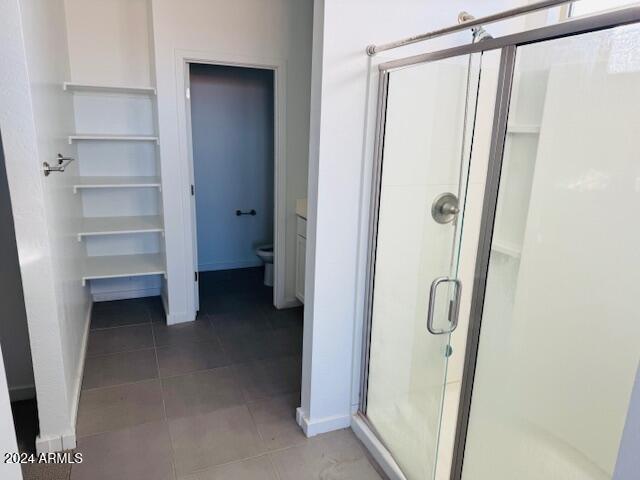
column 301, row 208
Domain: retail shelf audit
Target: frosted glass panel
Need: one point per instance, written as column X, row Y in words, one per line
column 426, row 153
column 586, row 7
column 560, row 336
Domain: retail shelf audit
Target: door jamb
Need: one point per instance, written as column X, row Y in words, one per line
column 374, row 208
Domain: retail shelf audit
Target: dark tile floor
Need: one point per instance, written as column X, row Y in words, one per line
column 210, row 399
column 25, row 419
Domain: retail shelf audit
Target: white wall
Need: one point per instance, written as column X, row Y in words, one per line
column 247, row 30
column 340, row 167
column 110, row 41
column 35, row 118
column 99, row 112
column 232, row 131
column 14, row 334
column 8, row 444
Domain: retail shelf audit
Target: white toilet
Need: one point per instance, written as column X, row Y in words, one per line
column 265, row 253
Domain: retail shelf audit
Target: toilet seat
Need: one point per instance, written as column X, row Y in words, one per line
column 265, row 252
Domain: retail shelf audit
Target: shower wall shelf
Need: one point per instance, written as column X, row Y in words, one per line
column 96, row 226
column 524, row 129
column 116, row 182
column 108, row 137
column 506, row 249
column 119, row 266
column 92, row 87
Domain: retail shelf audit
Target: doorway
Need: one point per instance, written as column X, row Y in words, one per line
column 232, row 126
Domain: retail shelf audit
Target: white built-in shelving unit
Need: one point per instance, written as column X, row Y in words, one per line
column 521, row 148
column 93, row 226
column 116, row 182
column 89, row 87
column 117, row 266
column 512, row 251
column 119, row 181
column 523, row 129
column 108, row 137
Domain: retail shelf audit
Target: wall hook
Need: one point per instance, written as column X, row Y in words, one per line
column 62, row 163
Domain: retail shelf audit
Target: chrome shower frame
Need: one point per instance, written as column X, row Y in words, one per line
column 508, row 46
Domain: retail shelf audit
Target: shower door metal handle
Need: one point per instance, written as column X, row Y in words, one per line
column 454, row 305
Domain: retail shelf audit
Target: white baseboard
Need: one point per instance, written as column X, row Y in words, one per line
column 377, row 450
column 181, row 317
column 311, row 428
column 22, row 392
column 230, row 265
column 69, row 439
column 289, row 302
column 125, row 294
column 56, row 443
column 48, row 444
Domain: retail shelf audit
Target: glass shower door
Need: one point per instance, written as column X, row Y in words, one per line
column 415, row 293
column 559, row 342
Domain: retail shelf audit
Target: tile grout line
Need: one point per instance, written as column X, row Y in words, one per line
column 159, row 377
column 274, row 468
column 164, row 405
column 115, row 385
column 189, row 342
column 120, row 326
column 98, row 355
column 231, row 363
column 267, row 453
column 262, row 440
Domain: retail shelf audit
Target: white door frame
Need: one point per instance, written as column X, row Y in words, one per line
column 183, row 59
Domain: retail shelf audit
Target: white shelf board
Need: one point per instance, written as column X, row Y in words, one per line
column 119, row 266
column 506, row 249
column 94, row 226
column 115, row 182
column 93, row 87
column 523, row 129
column 79, row 137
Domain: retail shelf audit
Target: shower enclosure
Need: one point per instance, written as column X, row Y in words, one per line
column 503, row 334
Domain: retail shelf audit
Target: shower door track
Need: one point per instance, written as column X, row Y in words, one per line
column 508, row 45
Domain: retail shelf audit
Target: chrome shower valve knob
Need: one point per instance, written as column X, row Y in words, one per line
column 445, row 208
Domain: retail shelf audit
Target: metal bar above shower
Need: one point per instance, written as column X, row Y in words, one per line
column 496, row 17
